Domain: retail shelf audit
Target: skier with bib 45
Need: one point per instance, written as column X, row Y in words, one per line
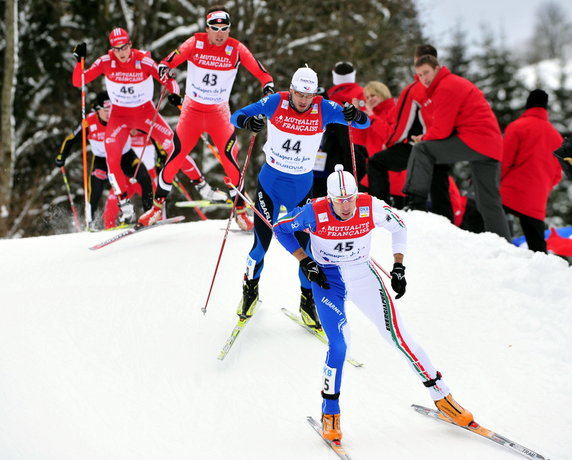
column 341, row 270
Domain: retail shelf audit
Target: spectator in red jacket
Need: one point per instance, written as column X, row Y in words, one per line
column 412, row 117
column 335, row 147
column 463, row 128
column 529, row 170
column 380, row 107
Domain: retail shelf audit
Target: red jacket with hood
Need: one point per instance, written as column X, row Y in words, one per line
column 529, row 170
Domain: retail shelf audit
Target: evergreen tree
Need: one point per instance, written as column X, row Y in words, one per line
column 495, row 75
column 378, row 37
column 456, row 54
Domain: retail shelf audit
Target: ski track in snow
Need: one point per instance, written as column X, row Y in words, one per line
column 107, row 355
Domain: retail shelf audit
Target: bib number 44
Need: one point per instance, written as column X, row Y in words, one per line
column 289, row 146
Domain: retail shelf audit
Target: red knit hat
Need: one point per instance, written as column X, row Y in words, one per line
column 118, row 37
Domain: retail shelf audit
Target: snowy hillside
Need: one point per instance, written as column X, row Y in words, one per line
column 106, row 355
column 548, row 74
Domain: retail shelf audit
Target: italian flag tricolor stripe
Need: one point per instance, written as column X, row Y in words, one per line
column 394, row 328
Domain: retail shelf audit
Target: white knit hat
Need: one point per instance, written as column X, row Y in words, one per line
column 343, row 72
column 341, row 183
column 305, row 80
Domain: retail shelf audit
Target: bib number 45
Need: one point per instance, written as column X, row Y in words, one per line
column 344, row 246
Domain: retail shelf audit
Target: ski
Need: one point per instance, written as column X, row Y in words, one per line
column 240, row 325
column 336, row 446
column 319, row 334
column 203, row 204
column 474, row 427
column 135, row 229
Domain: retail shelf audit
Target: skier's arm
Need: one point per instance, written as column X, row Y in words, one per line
column 332, row 112
column 265, row 106
column 90, row 74
column 255, row 67
column 179, row 55
column 297, row 220
column 386, row 217
column 67, row 145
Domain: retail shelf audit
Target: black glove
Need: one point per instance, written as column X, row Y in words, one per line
column 164, row 72
column 80, row 51
column 268, row 89
column 398, row 281
column 175, row 99
column 565, row 150
column 255, row 124
column 60, row 160
column 350, row 112
column 314, row 273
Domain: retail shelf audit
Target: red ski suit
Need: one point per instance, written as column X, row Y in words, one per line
column 211, row 71
column 529, row 170
column 130, row 88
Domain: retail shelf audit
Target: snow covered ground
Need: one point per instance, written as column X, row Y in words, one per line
column 107, row 355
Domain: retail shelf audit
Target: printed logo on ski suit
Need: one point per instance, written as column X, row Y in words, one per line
column 342, row 242
column 294, row 138
column 129, row 84
column 96, row 136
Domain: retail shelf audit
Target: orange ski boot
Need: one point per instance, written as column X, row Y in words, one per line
column 454, row 411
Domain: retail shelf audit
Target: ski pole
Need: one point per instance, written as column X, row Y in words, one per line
column 211, row 147
column 67, row 184
column 133, row 179
column 352, row 149
column 240, row 184
column 84, row 147
column 380, row 267
column 187, row 195
column 228, row 182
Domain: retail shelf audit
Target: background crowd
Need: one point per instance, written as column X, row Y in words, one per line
column 46, row 105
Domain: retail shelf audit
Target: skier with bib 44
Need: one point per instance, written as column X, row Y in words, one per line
column 297, row 120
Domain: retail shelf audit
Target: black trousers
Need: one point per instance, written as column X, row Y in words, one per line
column 395, row 158
column 533, row 230
column 485, row 174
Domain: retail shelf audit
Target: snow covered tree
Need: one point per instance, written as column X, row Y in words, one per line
column 377, row 36
column 552, row 37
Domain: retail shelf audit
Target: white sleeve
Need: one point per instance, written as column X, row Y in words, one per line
column 386, row 217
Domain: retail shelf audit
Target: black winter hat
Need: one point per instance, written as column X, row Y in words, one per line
column 101, row 100
column 537, row 98
column 343, row 68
